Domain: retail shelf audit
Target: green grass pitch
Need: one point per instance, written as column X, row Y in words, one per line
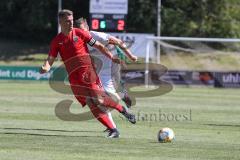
column 206, row 122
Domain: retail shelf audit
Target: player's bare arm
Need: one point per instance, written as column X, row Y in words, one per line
column 122, row 45
column 47, row 65
column 106, row 52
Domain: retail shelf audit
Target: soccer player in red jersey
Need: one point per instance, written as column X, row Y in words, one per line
column 71, row 44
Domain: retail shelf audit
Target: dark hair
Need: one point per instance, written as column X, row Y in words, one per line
column 80, row 21
column 64, row 12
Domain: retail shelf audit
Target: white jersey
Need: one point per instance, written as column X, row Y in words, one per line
column 108, row 67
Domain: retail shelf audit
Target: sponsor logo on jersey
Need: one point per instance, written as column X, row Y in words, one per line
column 75, row 38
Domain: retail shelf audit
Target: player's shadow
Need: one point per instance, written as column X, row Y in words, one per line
column 41, row 129
column 47, row 135
column 11, row 131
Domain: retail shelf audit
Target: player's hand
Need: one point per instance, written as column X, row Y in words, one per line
column 44, row 69
column 116, row 60
column 134, row 58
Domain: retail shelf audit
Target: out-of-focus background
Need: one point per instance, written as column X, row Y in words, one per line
column 187, row 78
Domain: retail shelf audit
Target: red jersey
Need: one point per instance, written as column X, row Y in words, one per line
column 75, row 55
column 72, row 46
column 73, row 51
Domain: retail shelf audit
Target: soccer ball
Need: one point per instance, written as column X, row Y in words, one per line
column 165, row 135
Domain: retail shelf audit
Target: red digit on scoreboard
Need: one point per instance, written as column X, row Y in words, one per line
column 120, row 25
column 95, row 24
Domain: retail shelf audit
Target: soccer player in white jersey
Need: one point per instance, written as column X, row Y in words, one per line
column 109, row 73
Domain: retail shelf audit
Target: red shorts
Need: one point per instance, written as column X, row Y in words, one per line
column 85, row 83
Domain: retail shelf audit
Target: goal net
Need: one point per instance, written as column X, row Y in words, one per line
column 194, row 54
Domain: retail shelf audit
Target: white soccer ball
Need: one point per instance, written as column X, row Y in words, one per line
column 165, row 135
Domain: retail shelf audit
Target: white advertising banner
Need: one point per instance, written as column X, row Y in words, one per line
column 137, row 43
column 109, row 6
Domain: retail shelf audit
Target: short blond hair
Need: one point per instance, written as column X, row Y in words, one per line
column 64, row 12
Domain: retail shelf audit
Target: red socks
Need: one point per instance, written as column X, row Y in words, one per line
column 101, row 116
column 109, row 102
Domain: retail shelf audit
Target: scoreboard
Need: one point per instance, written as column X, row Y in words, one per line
column 108, row 22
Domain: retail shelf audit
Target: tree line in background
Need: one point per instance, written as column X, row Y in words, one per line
column 36, row 21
